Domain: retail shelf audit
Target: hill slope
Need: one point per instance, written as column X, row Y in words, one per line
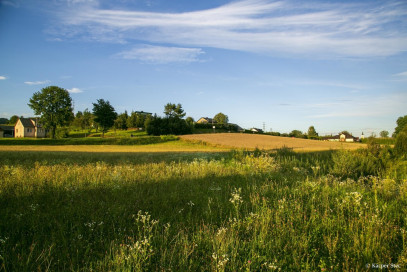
column 251, row 141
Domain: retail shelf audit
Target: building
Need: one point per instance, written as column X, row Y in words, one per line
column 343, row 137
column 6, row 131
column 256, row 130
column 29, row 127
column 205, row 120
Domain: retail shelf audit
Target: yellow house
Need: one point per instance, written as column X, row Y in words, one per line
column 205, row 120
column 29, row 127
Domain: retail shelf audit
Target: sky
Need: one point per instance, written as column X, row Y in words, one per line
column 281, row 65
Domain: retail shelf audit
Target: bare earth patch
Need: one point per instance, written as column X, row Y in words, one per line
column 252, row 141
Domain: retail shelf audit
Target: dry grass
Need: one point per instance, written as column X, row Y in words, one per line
column 252, row 141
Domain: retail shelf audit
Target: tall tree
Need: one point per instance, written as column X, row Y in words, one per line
column 54, row 105
column 172, row 110
column 221, row 118
column 121, row 121
column 401, row 124
column 312, row 133
column 105, row 115
column 13, row 120
column 384, row 134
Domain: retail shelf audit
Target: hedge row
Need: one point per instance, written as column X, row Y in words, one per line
column 89, row 141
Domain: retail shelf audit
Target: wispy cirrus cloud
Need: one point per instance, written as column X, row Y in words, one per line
column 75, row 90
column 3, row 77
column 262, row 26
column 37, row 82
column 162, row 54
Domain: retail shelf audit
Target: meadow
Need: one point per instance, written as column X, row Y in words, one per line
column 194, row 207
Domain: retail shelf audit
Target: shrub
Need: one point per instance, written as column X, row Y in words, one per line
column 400, row 147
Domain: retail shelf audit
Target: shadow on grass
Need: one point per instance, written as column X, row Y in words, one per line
column 69, row 228
column 28, row 158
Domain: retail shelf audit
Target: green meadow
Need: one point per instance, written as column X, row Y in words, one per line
column 203, row 211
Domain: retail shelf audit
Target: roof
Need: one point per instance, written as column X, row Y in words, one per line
column 209, row 120
column 5, row 128
column 26, row 122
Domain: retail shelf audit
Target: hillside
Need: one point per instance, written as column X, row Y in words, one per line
column 252, row 141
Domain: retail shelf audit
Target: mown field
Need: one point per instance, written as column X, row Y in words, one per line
column 192, row 207
column 253, row 141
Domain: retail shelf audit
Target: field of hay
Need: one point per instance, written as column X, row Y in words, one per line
column 267, row 142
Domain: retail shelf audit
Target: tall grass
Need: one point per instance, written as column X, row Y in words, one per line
column 249, row 211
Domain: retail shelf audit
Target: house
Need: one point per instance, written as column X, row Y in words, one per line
column 343, row 137
column 6, row 131
column 29, row 127
column 205, row 120
column 256, row 130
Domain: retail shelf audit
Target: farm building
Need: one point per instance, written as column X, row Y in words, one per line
column 343, row 137
column 6, row 131
column 256, row 130
column 29, row 127
column 206, row 120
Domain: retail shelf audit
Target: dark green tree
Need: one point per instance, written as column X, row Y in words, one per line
column 296, row 133
column 221, row 118
column 384, row 134
column 121, row 121
column 312, row 133
column 54, row 105
column 400, row 146
column 172, row 110
column 190, row 121
column 131, row 121
column 13, row 120
column 105, row 115
column 401, row 124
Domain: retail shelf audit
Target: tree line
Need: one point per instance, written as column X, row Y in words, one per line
column 54, row 106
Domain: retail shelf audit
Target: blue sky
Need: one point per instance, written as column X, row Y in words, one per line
column 336, row 65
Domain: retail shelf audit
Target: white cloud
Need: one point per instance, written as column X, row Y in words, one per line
column 403, row 74
column 75, row 90
column 262, row 26
column 161, row 54
column 3, row 77
column 37, row 82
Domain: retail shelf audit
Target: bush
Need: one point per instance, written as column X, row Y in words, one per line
column 169, row 125
column 400, row 147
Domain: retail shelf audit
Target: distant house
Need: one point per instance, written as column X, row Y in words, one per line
column 343, row 137
column 143, row 113
column 29, row 127
column 205, row 120
column 6, row 131
column 256, row 130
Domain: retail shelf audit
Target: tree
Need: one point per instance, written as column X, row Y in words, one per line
column 87, row 120
column 13, row 120
column 105, row 114
column 312, row 133
column 401, row 124
column 131, row 121
column 221, row 118
column 384, row 134
column 121, row 121
column 54, row 105
column 190, row 121
column 296, row 133
column 172, row 110
column 400, row 146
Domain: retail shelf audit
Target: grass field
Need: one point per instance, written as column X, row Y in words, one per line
column 180, row 206
column 267, row 142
